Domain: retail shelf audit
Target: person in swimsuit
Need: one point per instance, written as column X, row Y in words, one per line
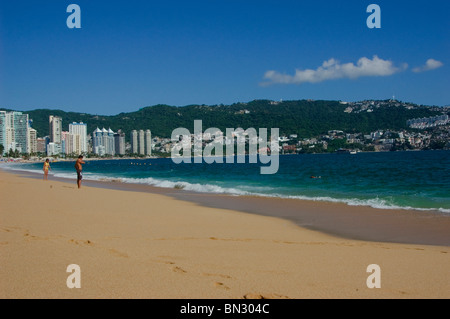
column 46, row 168
column 79, row 169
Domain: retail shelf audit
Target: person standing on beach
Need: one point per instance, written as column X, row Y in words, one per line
column 46, row 168
column 79, row 169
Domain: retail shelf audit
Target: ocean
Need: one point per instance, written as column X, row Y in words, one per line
column 393, row 180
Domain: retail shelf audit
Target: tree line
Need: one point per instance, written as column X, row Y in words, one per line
column 302, row 117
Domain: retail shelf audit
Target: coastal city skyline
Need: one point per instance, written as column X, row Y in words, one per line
column 202, row 52
column 17, row 135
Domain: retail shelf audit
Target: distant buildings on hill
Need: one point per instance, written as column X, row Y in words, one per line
column 17, row 135
column 428, row 122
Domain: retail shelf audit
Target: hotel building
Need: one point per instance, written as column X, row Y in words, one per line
column 14, row 131
column 103, row 142
column 141, row 143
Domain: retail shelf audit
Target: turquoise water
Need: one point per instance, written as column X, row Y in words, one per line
column 407, row 180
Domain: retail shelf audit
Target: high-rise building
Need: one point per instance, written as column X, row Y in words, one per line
column 64, row 140
column 55, row 123
column 103, row 142
column 21, row 131
column 41, row 145
column 134, row 142
column 76, row 140
column 3, row 130
column 148, row 143
column 32, row 141
column 9, row 137
column 119, row 143
column 81, row 130
column 97, row 147
column 73, row 144
column 10, row 141
column 14, row 131
column 110, row 143
column 141, row 142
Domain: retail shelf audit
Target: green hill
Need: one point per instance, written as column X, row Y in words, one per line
column 305, row 118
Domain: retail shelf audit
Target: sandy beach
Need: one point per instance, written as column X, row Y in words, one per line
column 146, row 245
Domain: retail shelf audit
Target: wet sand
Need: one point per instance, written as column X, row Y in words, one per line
column 339, row 219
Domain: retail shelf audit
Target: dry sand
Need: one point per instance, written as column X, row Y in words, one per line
column 140, row 245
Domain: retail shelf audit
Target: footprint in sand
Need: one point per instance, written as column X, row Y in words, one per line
column 221, row 285
column 178, row 269
column 28, row 236
column 164, row 260
column 216, row 275
column 11, row 229
column 81, row 242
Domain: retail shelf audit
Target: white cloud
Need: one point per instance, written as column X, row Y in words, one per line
column 431, row 64
column 333, row 69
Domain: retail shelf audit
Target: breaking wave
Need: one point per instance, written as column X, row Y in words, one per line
column 235, row 191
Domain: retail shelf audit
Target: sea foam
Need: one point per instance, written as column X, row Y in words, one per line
column 215, row 189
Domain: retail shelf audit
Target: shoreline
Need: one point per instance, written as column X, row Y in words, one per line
column 131, row 244
column 40, row 159
column 337, row 219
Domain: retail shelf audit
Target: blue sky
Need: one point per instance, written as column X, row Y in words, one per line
column 132, row 54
